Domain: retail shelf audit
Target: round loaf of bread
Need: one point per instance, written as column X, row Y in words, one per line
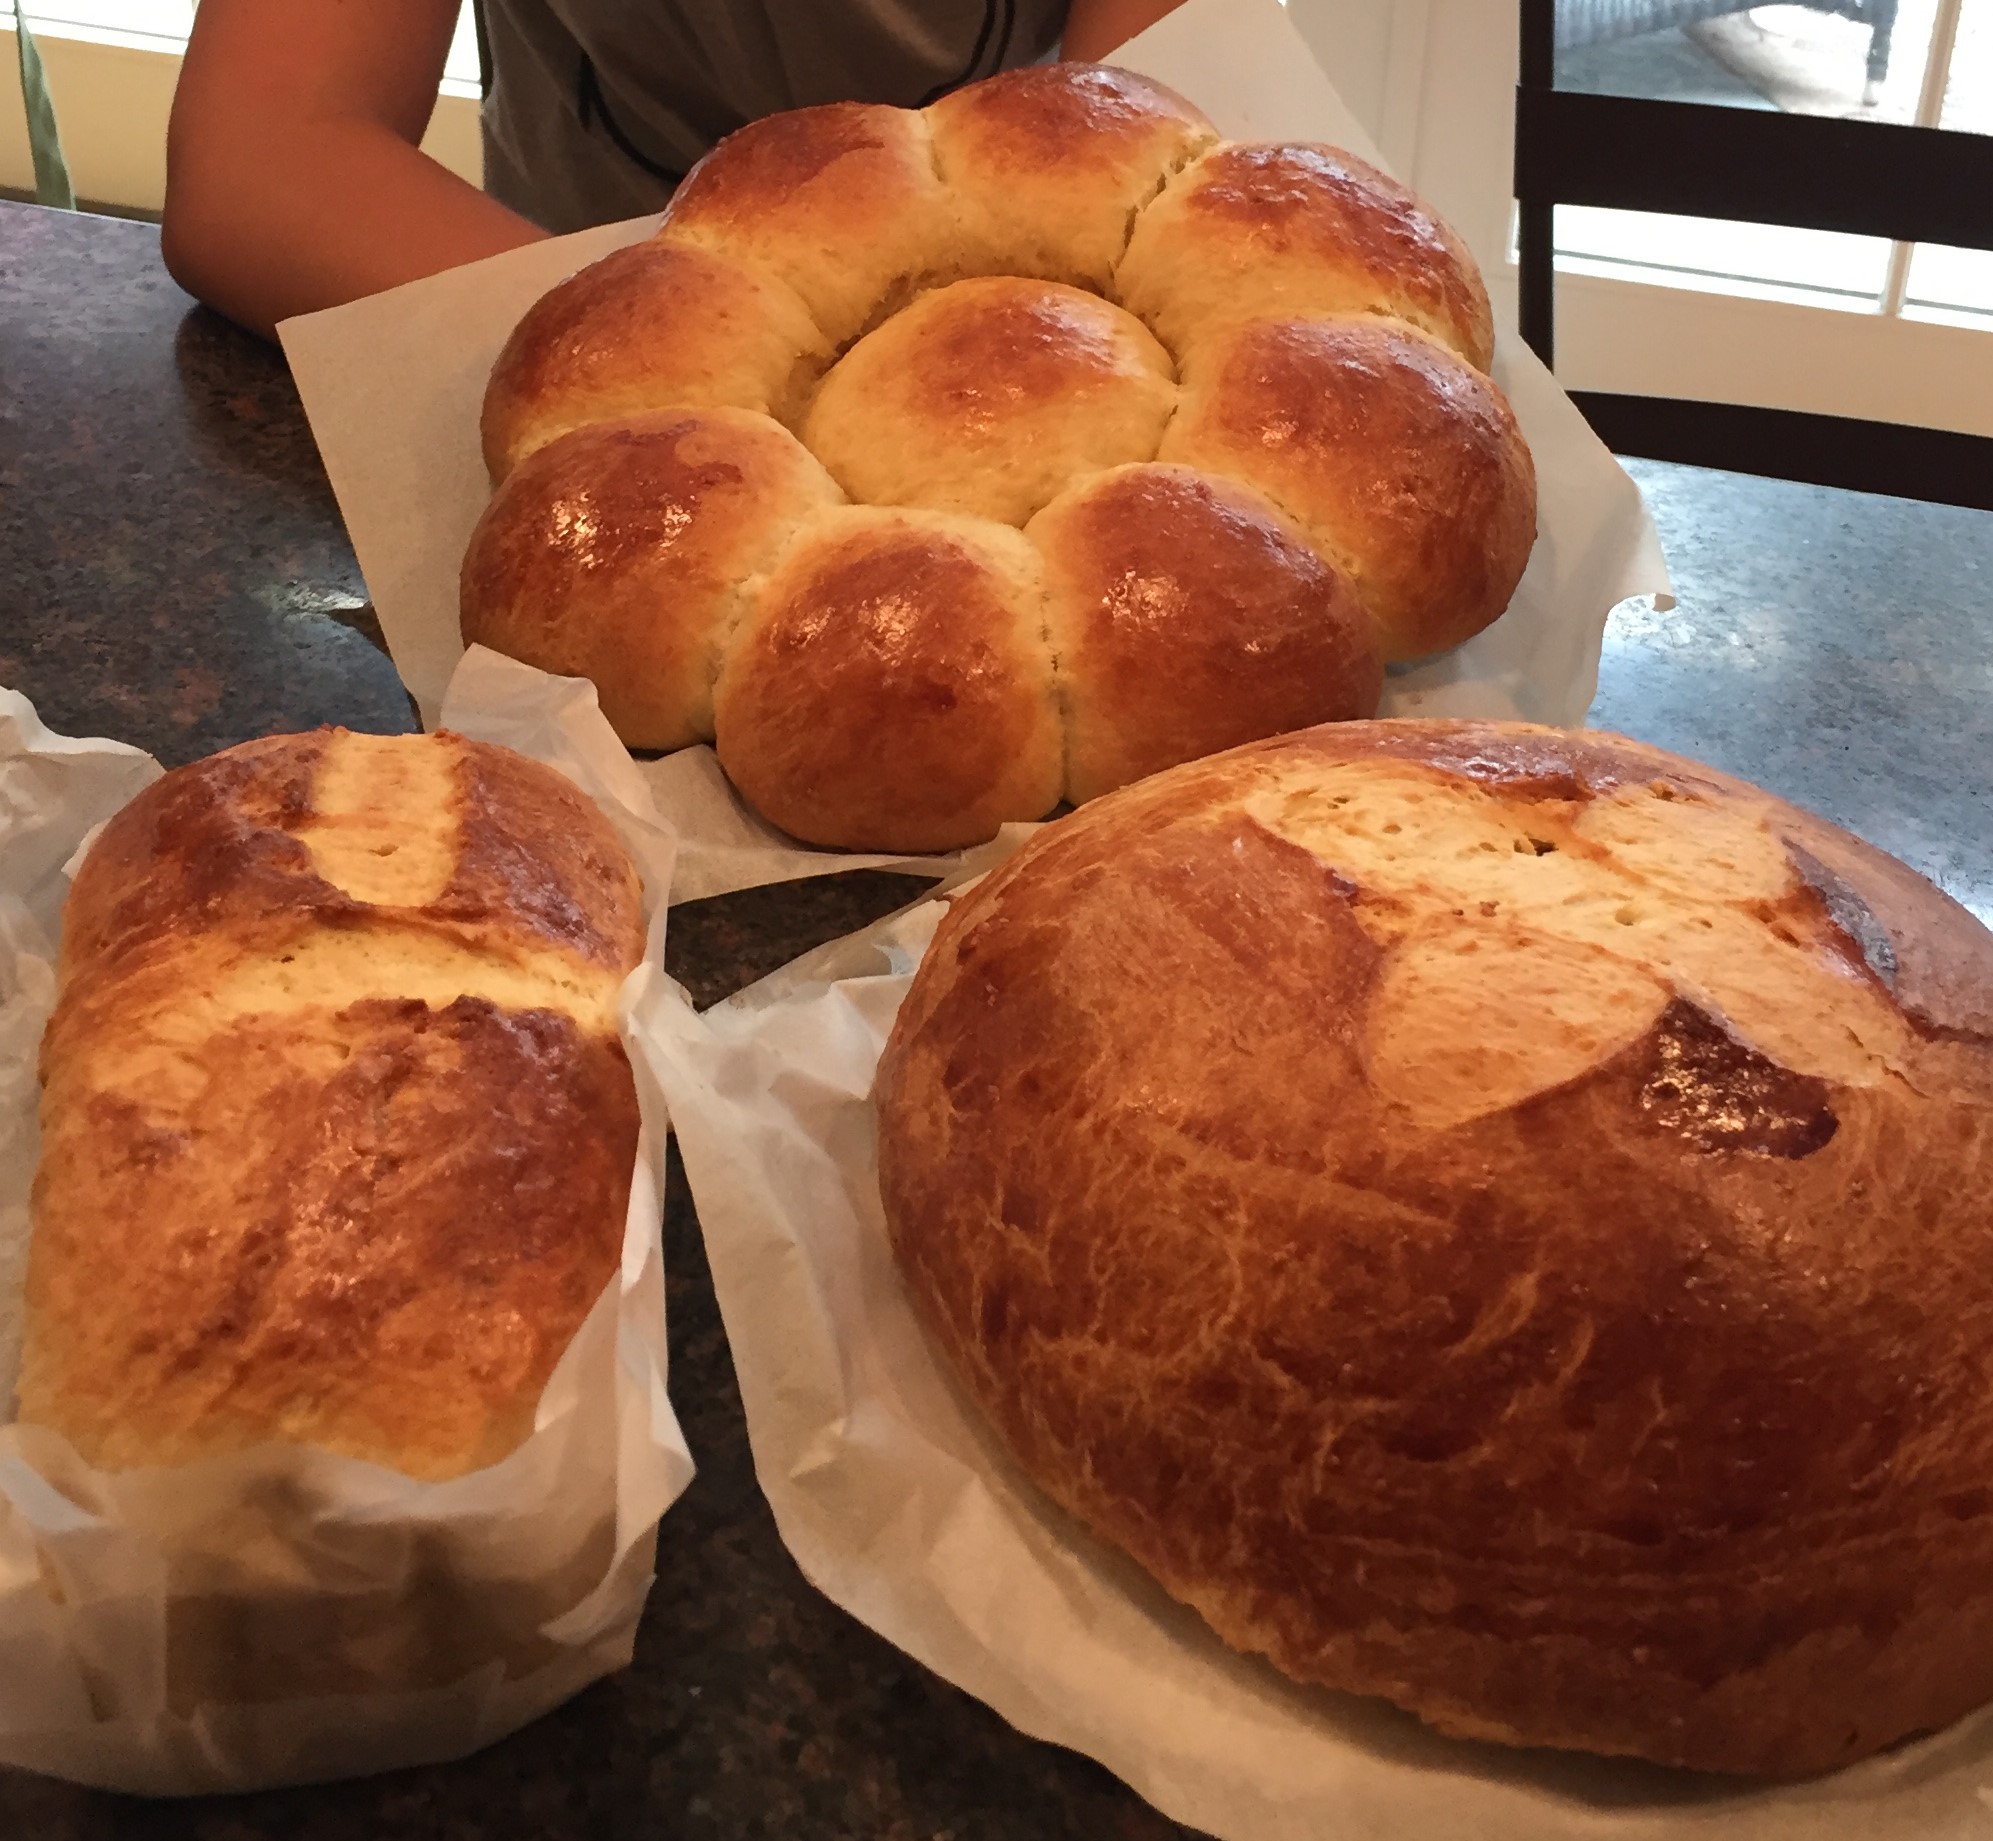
column 1493, row 1218
column 976, row 309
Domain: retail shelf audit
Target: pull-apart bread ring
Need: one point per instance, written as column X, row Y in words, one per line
column 337, row 1130
column 1492, row 1218
column 978, row 309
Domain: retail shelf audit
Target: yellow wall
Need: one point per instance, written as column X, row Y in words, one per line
column 112, row 102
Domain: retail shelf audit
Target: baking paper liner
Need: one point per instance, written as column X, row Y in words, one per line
column 901, row 1506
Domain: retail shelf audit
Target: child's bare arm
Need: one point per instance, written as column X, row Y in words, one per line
column 294, row 177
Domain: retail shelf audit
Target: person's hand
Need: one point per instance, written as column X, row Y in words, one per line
column 294, row 176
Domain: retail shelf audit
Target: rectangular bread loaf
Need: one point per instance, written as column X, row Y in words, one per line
column 337, row 1133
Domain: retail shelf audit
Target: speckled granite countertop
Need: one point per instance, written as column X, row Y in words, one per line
column 172, row 572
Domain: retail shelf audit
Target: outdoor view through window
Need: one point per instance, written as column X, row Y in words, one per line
column 1928, row 62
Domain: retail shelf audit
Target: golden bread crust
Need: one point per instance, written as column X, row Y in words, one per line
column 622, row 553
column 892, row 684
column 1474, row 1212
column 1051, row 273
column 1402, row 463
column 337, row 1132
column 1188, row 616
column 1250, row 230
column 840, row 201
column 986, row 397
column 1049, row 164
column 655, row 326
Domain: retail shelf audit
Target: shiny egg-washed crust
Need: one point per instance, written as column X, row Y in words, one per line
column 894, row 681
column 1252, row 229
column 337, row 1132
column 1493, row 1218
column 1187, row 617
column 987, row 396
column 1049, row 164
column 614, row 339
column 840, row 201
column 654, row 528
column 1021, row 286
column 1401, row 462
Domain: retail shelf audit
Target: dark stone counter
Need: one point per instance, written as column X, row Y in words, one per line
column 172, row 572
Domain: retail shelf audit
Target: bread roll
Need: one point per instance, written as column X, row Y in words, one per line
column 1047, row 275
column 1492, row 1218
column 984, row 398
column 1049, row 164
column 1403, row 464
column 1251, row 230
column 892, row 685
column 1187, row 616
column 840, row 201
column 655, row 326
column 337, row 1134
column 623, row 552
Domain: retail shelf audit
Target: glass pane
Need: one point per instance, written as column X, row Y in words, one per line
column 1822, row 268
column 1968, row 104
column 1955, row 285
column 1862, row 58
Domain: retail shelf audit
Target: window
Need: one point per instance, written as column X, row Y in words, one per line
column 111, row 68
column 1928, row 62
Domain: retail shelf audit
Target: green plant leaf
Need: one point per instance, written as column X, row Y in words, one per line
column 52, row 185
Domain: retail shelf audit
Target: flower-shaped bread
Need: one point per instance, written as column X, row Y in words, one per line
column 942, row 464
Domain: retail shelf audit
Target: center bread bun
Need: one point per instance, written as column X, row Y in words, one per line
column 1493, row 1218
column 979, row 309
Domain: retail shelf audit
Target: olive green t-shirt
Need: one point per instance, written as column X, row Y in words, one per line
column 598, row 107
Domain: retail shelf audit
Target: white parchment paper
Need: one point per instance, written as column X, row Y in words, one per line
column 393, row 386
column 285, row 1615
column 898, row 1503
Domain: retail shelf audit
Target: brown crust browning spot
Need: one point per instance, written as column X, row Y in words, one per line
column 892, row 687
column 1188, row 617
column 1401, row 463
column 1718, row 1093
column 619, row 553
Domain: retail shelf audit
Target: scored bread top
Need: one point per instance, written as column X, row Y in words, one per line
column 337, row 1134
column 1492, row 1218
